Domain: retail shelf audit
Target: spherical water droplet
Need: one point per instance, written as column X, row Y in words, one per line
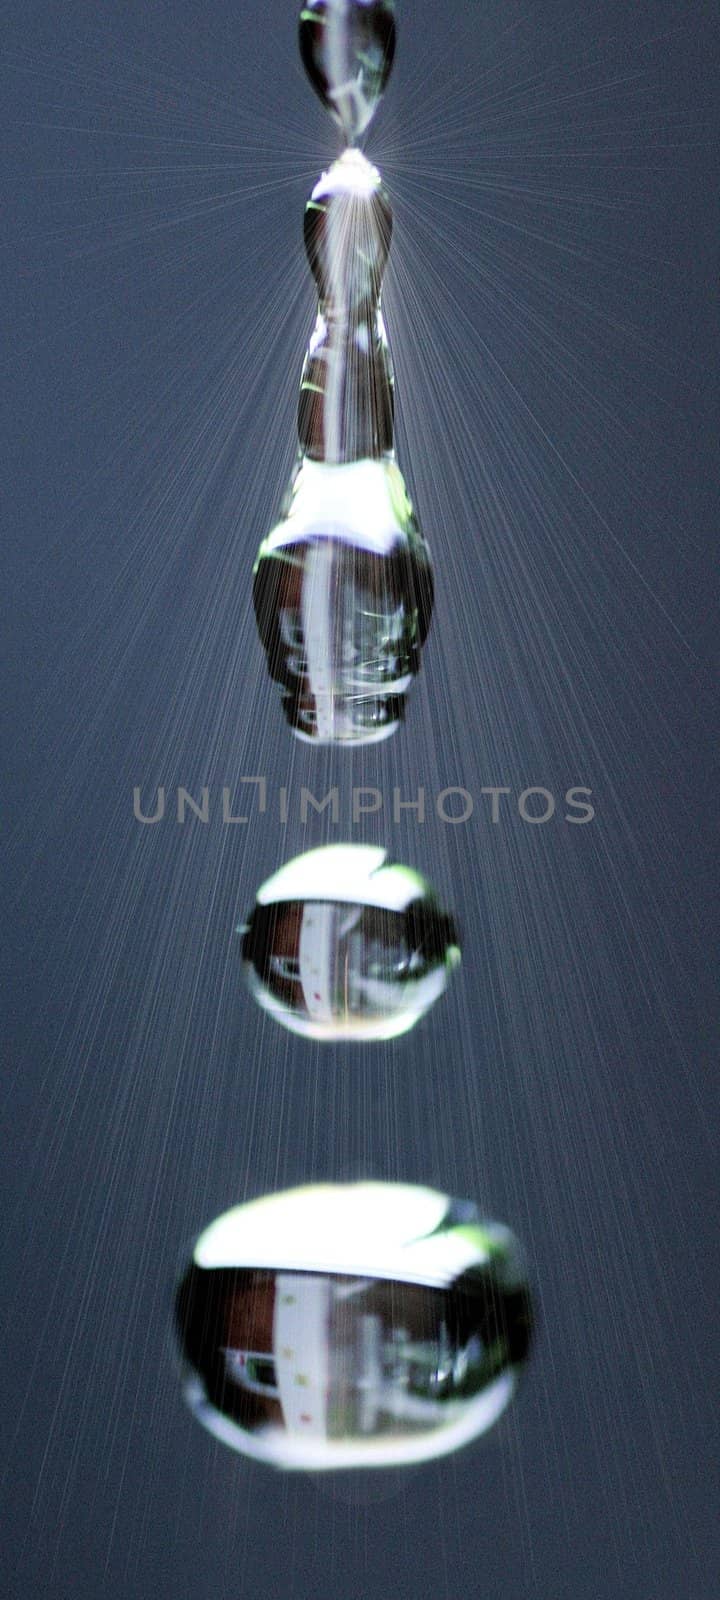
column 344, row 944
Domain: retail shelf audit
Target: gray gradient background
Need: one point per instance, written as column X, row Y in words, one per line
column 552, row 306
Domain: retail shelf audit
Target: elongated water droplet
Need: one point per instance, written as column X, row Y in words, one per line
column 347, row 48
column 343, row 594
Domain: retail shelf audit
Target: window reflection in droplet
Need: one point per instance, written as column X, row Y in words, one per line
column 343, row 594
column 344, row 944
column 352, row 1325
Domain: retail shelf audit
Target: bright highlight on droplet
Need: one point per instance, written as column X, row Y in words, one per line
column 345, row 944
column 347, row 47
column 343, row 594
column 352, row 1325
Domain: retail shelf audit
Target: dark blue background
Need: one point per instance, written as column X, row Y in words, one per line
column 552, row 306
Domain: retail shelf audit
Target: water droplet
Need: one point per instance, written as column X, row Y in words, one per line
column 352, row 1325
column 347, row 230
column 346, row 404
column 343, row 594
column 344, row 944
column 346, row 407
column 347, row 48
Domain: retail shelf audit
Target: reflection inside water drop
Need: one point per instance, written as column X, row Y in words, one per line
column 345, row 944
column 351, row 1326
column 347, row 48
column 343, row 594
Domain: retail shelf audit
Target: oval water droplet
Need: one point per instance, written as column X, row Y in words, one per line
column 352, row 1325
column 347, row 48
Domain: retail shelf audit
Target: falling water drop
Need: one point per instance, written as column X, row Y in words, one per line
column 347, row 47
column 343, row 595
column 345, row 944
column 342, row 1326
